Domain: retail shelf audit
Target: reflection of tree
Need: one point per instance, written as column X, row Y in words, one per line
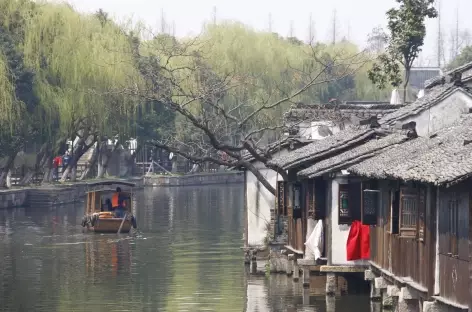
column 70, row 271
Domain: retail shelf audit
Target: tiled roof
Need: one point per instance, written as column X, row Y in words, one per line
column 355, row 155
column 432, row 97
column 464, row 71
column 443, row 158
column 280, row 144
column 339, row 112
column 322, row 148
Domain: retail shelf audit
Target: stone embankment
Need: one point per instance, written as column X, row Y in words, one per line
column 57, row 194
column 224, row 177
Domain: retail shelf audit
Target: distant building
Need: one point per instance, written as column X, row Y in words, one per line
column 419, row 75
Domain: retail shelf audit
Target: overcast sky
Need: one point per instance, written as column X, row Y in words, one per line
column 355, row 18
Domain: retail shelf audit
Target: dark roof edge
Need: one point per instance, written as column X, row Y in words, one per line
column 441, row 79
column 384, row 176
column 435, row 101
column 303, row 160
column 354, row 160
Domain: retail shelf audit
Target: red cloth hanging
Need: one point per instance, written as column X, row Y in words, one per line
column 358, row 242
column 365, row 242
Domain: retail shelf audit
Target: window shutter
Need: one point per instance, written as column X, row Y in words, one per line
column 370, row 206
column 320, row 199
column 395, row 212
column 355, row 200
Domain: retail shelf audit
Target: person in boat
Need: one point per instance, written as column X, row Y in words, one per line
column 118, row 203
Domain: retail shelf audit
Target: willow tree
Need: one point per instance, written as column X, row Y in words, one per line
column 79, row 62
column 230, row 87
column 18, row 100
column 10, row 112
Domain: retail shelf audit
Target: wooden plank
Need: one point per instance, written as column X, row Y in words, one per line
column 288, row 247
column 470, row 251
column 299, row 226
column 454, row 280
column 343, row 268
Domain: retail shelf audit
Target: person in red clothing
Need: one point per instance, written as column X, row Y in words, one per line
column 56, row 162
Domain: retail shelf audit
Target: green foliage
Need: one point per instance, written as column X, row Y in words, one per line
column 80, row 61
column 406, row 25
column 463, row 58
column 62, row 72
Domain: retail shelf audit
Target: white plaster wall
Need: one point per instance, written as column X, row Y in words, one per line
column 442, row 114
column 305, row 129
column 339, row 233
column 259, row 202
column 315, row 125
column 309, row 130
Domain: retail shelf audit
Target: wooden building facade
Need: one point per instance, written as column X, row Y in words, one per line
column 421, row 239
column 307, row 198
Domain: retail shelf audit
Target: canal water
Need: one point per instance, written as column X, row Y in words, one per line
column 186, row 256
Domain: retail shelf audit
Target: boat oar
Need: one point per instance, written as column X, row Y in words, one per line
column 122, row 222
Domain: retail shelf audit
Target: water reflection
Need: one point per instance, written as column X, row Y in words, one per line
column 280, row 293
column 186, row 256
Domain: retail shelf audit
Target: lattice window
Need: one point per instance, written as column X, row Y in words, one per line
column 370, row 206
column 344, row 212
column 408, row 212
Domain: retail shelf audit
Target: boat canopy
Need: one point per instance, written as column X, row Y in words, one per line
column 104, row 191
column 112, row 182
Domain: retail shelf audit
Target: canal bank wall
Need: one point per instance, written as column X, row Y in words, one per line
column 225, row 177
column 58, row 194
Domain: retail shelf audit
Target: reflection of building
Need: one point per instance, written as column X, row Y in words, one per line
column 257, row 299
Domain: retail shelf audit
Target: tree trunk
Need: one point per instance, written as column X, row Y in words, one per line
column 30, row 172
column 48, row 170
column 79, row 150
column 102, row 159
column 130, row 162
column 104, row 155
column 90, row 164
column 5, row 170
column 174, row 165
column 73, row 174
column 28, row 177
column 9, row 179
column 405, row 83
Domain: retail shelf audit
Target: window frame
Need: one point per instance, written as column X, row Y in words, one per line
column 281, row 198
column 370, row 190
column 409, row 230
column 454, row 204
column 346, row 218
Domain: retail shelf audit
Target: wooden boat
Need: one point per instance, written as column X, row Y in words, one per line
column 99, row 219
